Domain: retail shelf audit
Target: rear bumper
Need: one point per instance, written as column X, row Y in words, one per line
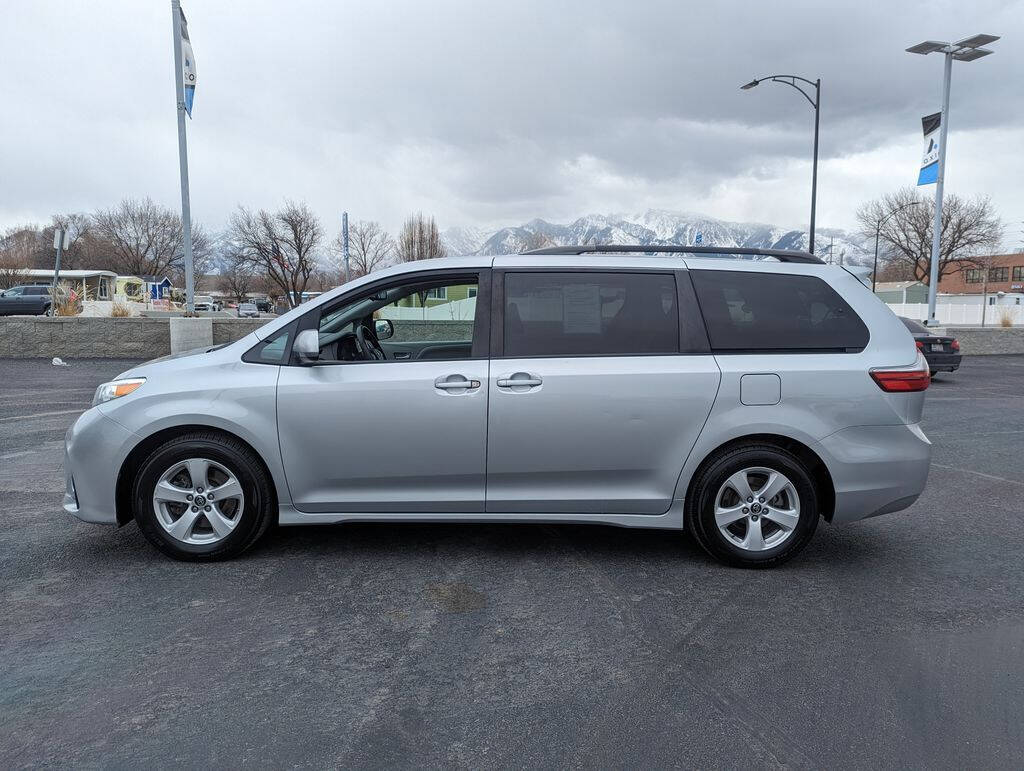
column 943, row 362
column 94, row 449
column 876, row 469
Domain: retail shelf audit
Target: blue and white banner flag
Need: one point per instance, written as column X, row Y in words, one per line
column 188, row 63
column 929, row 173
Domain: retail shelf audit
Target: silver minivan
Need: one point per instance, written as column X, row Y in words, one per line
column 741, row 395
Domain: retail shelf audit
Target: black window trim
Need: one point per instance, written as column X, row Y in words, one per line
column 481, row 322
column 692, row 339
column 788, row 351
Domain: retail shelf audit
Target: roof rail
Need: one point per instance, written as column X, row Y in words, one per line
column 782, row 255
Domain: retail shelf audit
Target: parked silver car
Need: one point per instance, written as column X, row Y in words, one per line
column 742, row 399
column 248, row 310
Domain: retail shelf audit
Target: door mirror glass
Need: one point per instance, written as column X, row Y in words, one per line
column 385, row 329
column 307, row 346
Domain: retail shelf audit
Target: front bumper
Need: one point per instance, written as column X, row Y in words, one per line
column 876, row 469
column 94, row 449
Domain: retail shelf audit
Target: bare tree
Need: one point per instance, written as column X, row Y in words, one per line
column 968, row 227
column 370, row 248
column 419, row 239
column 147, row 239
column 237, row 277
column 279, row 244
column 18, row 247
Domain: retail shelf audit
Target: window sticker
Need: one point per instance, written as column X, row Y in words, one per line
column 581, row 309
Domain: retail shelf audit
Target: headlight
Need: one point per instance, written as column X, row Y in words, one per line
column 115, row 389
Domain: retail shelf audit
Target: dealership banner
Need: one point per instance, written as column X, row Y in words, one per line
column 188, row 64
column 929, row 173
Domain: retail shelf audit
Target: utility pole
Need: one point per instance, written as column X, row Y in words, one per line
column 344, row 241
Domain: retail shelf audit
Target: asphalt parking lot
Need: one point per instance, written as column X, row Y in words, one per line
column 897, row 641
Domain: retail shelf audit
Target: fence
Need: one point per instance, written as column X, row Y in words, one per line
column 959, row 313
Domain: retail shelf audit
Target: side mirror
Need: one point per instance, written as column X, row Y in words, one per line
column 307, row 346
column 384, row 328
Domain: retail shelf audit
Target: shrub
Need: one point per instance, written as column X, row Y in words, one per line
column 120, row 310
column 1006, row 319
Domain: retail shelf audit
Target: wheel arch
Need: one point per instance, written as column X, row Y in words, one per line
column 126, row 474
column 816, row 467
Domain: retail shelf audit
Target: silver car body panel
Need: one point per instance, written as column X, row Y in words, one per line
column 612, row 440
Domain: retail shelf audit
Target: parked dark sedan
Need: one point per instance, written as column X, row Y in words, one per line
column 941, row 353
column 26, row 301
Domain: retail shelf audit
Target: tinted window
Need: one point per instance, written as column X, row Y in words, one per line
column 590, row 314
column 774, row 311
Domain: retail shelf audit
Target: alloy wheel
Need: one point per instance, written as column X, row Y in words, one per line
column 757, row 508
column 198, row 501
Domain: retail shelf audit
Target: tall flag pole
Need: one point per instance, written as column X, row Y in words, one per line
column 184, row 90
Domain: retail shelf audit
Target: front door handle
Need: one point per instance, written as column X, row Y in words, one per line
column 455, row 383
column 520, row 379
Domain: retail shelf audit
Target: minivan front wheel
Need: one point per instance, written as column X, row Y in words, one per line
column 753, row 506
column 202, row 496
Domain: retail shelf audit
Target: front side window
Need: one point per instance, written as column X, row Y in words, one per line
column 590, row 314
column 420, row 320
column 754, row 311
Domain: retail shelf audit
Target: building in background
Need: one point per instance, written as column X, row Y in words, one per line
column 1002, row 281
column 91, row 284
column 902, row 291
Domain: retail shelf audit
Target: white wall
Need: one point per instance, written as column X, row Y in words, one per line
column 960, row 313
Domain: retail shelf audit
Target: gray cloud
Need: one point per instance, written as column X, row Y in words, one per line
column 489, row 111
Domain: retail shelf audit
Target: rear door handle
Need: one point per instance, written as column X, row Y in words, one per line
column 519, row 379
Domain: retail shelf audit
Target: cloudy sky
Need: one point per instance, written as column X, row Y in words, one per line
column 490, row 112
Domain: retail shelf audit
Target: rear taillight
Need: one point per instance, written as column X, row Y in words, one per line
column 955, row 345
column 903, row 379
column 920, row 345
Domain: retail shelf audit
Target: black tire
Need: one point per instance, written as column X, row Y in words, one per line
column 700, row 506
column 258, row 512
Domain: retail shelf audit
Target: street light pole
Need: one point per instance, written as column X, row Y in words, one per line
column 878, row 229
column 933, row 273
column 966, row 50
column 814, row 172
column 790, row 80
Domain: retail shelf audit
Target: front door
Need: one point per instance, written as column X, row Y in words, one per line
column 392, row 425
column 593, row 408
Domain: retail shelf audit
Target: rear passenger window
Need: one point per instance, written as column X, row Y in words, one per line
column 590, row 314
column 774, row 311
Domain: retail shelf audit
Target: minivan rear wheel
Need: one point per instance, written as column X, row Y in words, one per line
column 753, row 505
column 202, row 496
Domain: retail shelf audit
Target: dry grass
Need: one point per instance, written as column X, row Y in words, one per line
column 1006, row 319
column 120, row 310
column 68, row 300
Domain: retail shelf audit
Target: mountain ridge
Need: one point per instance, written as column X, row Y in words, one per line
column 653, row 227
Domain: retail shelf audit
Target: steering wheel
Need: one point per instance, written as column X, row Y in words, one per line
column 367, row 343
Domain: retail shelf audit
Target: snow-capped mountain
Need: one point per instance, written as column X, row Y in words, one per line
column 653, row 227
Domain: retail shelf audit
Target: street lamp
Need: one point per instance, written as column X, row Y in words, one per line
column 878, row 229
column 790, row 80
column 967, row 50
